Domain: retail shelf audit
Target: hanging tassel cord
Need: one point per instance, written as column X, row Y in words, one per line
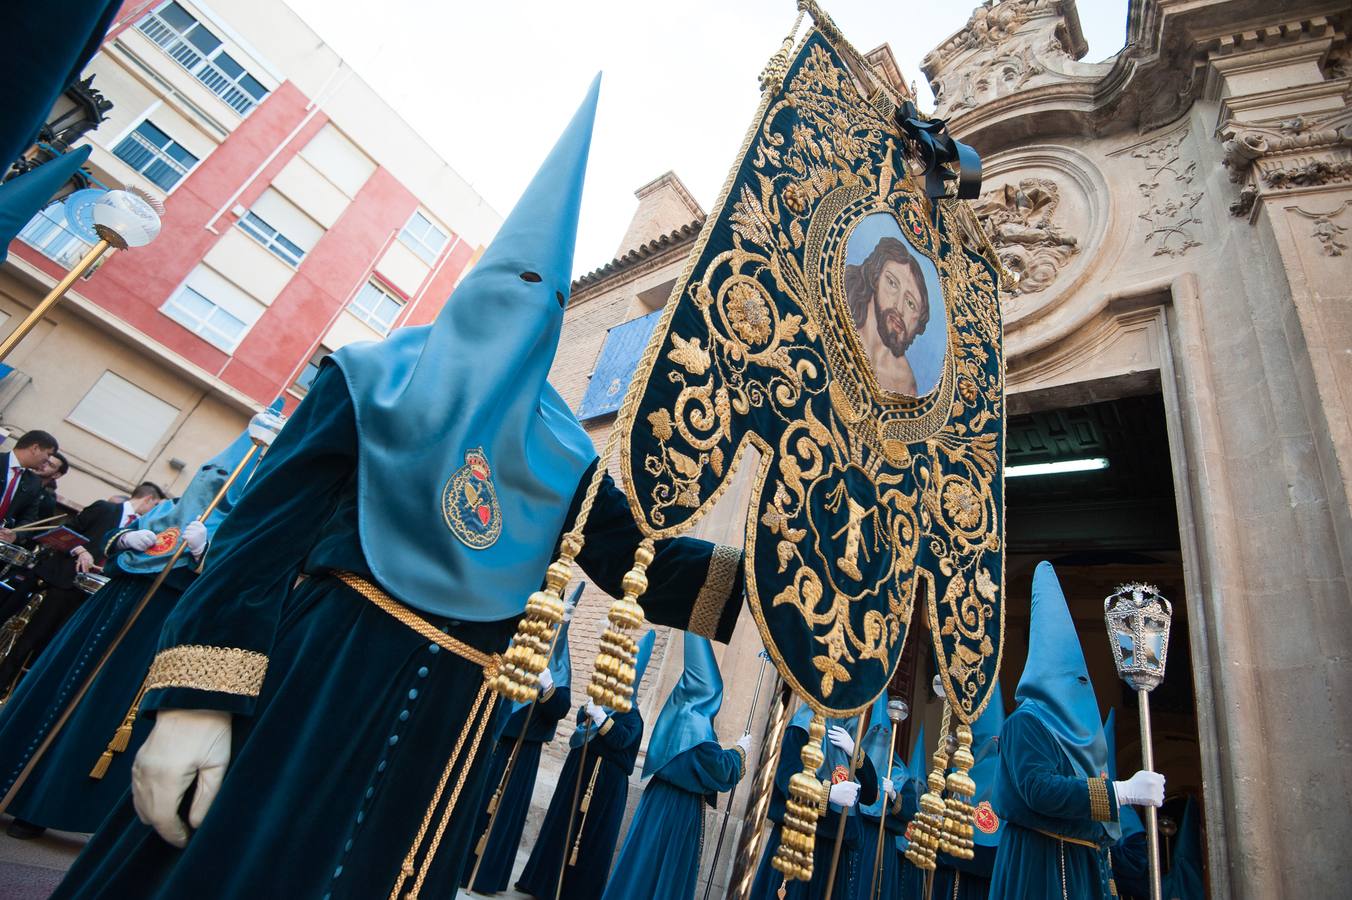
column 749, row 842
column 585, row 808
column 121, row 737
column 856, row 760
column 572, row 808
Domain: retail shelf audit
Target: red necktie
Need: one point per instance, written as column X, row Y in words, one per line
column 14, row 473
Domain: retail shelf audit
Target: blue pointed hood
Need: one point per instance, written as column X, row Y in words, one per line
column 687, row 718
column 169, row 517
column 23, row 197
column 1055, row 686
column 986, row 750
column 877, row 744
column 1127, row 817
column 835, row 757
column 461, row 416
column 1184, row 880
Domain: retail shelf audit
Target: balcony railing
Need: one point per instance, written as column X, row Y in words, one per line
column 188, row 56
column 48, row 233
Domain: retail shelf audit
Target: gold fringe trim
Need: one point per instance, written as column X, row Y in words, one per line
column 223, row 670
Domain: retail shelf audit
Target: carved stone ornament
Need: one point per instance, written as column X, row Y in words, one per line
column 1297, row 152
column 1330, row 235
column 1019, row 222
column 1171, row 194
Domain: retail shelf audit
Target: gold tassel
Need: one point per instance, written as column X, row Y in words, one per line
column 956, row 839
column 517, row 678
column 101, row 766
column 927, row 828
column 612, row 682
column 798, row 834
column 121, row 738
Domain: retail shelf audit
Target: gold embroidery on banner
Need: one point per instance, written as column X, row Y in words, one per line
column 224, row 670
column 716, row 592
column 1100, row 810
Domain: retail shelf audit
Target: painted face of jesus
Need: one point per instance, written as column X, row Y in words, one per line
column 898, row 304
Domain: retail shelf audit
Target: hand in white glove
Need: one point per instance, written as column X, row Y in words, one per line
column 845, row 794
column 141, row 539
column 889, row 789
column 195, row 533
column 745, row 743
column 841, row 738
column 184, row 745
column 568, row 611
column 1142, row 789
column 597, row 714
column 546, row 680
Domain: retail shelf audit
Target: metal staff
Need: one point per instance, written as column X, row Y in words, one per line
column 122, row 219
column 572, row 809
column 897, row 712
column 855, row 762
column 496, row 801
column 1138, row 618
column 748, row 844
column 732, row 794
column 267, row 428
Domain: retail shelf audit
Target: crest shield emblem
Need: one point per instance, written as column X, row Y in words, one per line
column 469, row 502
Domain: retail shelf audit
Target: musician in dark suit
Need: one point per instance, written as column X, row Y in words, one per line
column 21, row 493
column 56, row 466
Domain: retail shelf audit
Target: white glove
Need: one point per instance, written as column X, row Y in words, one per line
column 546, row 680
column 184, row 745
column 1142, row 789
column 889, row 789
column 141, row 539
column 597, row 714
column 195, row 533
column 841, row 738
column 568, row 611
column 745, row 743
column 845, row 794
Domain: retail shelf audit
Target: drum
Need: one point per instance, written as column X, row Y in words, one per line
column 14, row 555
column 89, row 582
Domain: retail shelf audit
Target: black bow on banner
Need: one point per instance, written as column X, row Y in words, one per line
column 936, row 149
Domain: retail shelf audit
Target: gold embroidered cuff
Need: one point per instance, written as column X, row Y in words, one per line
column 741, row 761
column 605, row 726
column 826, row 797
column 223, row 670
column 1100, row 810
column 714, row 595
column 545, row 695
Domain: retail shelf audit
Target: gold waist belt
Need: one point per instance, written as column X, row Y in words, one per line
column 1069, row 840
column 414, row 621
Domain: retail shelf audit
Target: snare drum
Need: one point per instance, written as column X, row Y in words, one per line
column 14, row 555
column 89, row 582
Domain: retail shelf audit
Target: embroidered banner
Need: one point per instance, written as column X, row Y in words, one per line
column 846, row 327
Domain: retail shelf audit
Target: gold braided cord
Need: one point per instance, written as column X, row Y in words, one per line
column 415, row 622
column 407, row 869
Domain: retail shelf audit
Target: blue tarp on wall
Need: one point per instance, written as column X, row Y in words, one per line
column 615, row 368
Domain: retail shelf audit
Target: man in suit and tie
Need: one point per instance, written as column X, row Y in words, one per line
column 22, row 496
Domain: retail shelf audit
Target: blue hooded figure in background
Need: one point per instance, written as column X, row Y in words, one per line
column 970, row 879
column 523, row 730
column 879, row 875
column 912, row 880
column 1184, row 880
column 582, row 824
column 421, row 487
column 1052, row 786
column 1131, row 863
column 661, row 853
column 844, row 788
column 95, row 730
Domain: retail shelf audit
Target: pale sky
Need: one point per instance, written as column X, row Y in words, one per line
column 490, row 84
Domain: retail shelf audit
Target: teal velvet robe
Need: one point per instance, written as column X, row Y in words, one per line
column 768, row 879
column 968, row 879
column 337, row 757
column 661, row 854
column 58, row 792
column 499, row 855
column 610, row 754
column 891, row 873
column 1039, row 794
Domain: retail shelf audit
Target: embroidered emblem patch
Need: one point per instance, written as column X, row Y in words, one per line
column 469, row 502
column 840, row 774
column 165, row 541
column 987, row 822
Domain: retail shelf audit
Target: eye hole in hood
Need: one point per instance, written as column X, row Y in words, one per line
column 563, row 301
column 531, row 277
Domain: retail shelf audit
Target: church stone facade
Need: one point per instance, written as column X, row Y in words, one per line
column 1179, row 218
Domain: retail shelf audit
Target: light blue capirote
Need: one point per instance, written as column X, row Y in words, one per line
column 986, row 751
column 23, row 197
column 587, row 731
column 475, row 381
column 196, row 497
column 687, row 718
column 877, row 743
column 1127, row 817
column 560, row 660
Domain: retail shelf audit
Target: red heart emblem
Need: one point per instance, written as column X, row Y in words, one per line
column 485, row 514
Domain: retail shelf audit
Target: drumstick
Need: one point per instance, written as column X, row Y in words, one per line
column 40, row 523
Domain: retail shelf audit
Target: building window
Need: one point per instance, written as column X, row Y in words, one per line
column 307, row 375
column 205, row 319
column 423, row 238
column 194, row 47
column 271, row 238
column 124, row 414
column 154, row 154
column 281, row 226
column 376, row 306
column 49, row 233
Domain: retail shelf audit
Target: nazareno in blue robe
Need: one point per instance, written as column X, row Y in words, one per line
column 610, row 755
column 1049, row 820
column 894, row 824
column 661, row 855
column 336, row 759
column 768, row 879
column 58, row 792
column 499, row 855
